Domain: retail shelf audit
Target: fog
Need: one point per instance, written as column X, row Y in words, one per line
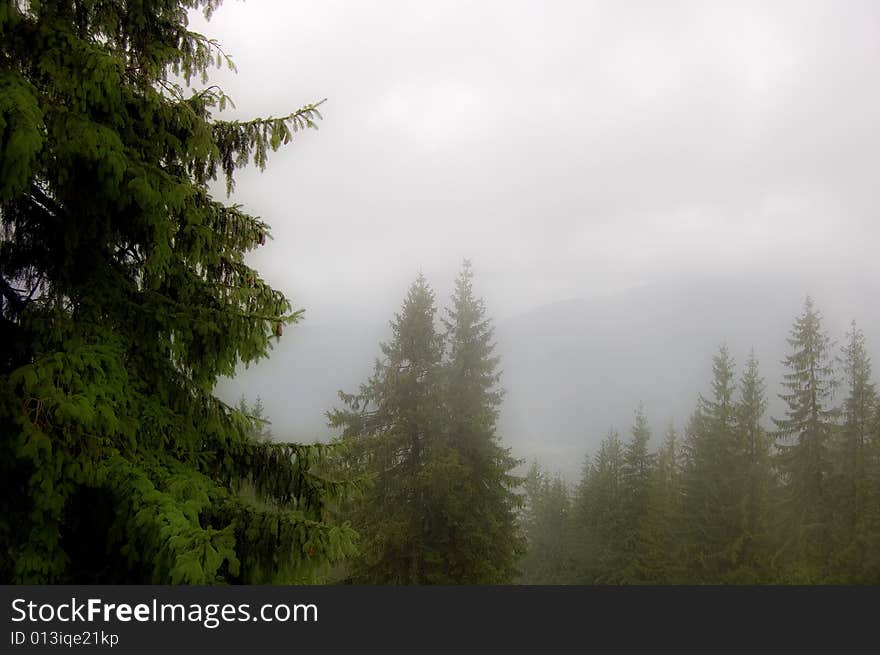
column 634, row 183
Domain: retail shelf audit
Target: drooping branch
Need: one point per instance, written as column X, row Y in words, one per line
column 237, row 141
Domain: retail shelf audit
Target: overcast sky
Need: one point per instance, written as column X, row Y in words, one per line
column 567, row 148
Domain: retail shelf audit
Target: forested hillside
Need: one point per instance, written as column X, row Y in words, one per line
column 733, row 496
column 700, row 418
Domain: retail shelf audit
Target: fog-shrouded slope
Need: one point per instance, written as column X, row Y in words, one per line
column 572, row 369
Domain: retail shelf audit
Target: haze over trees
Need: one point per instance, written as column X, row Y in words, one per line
column 125, row 295
column 733, row 502
column 440, row 506
column 569, row 369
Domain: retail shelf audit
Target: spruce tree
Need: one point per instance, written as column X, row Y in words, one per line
column 852, row 460
column 392, row 429
column 546, row 519
column 756, row 485
column 602, row 515
column 636, row 474
column 638, row 462
column 711, row 472
column 125, row 295
column 259, row 429
column 478, row 521
column 804, row 447
column 660, row 557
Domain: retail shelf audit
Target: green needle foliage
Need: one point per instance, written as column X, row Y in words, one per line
column 123, row 296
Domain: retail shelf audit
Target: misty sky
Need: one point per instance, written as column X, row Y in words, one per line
column 568, row 148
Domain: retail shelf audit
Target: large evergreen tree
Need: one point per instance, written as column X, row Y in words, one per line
column 123, row 296
column 478, row 520
column 712, row 472
column 392, row 429
column 804, row 444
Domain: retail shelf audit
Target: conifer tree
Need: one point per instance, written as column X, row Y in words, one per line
column 636, row 474
column 602, row 515
column 804, row 443
column 660, row 557
column 756, row 486
column 478, row 521
column 392, row 428
column 546, row 519
column 637, row 462
column 712, row 512
column 852, row 459
column 259, row 429
column 123, row 296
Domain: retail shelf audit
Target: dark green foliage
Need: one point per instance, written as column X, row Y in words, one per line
column 123, row 296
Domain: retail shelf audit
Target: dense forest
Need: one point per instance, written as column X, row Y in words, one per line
column 733, row 497
column 126, row 293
